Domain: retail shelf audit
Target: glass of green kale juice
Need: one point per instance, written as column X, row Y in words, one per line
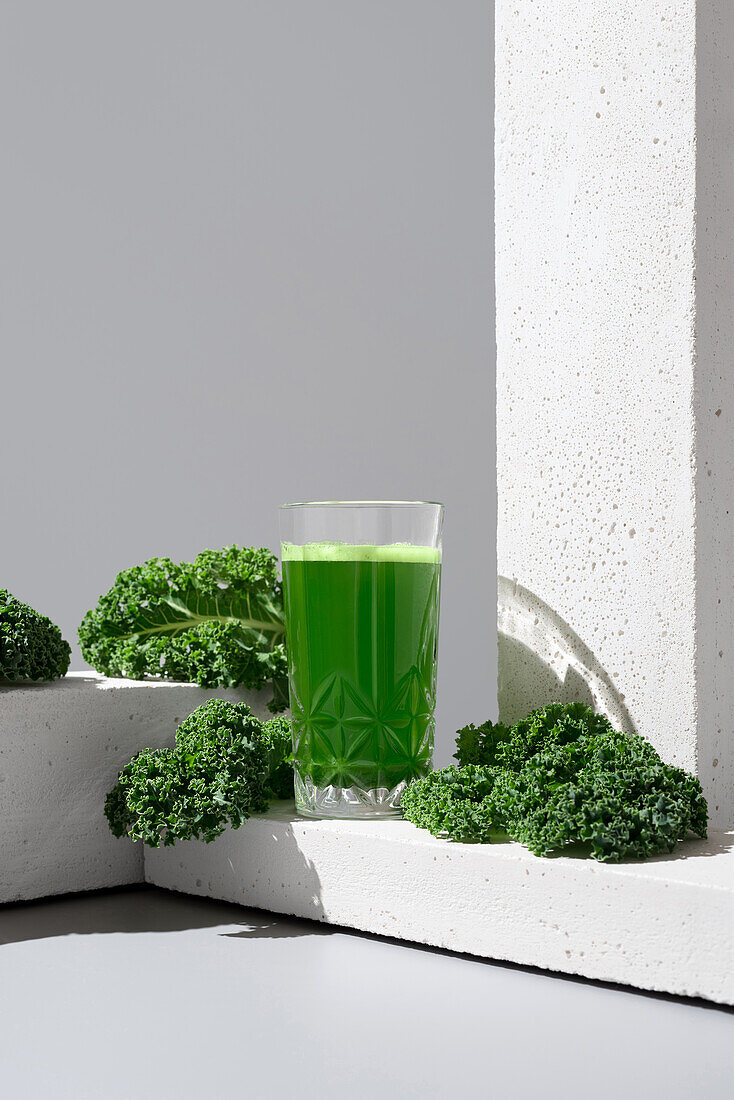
column 361, row 581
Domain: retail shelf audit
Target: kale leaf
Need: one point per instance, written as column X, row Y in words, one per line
column 279, row 742
column 216, row 622
column 496, row 744
column 480, row 744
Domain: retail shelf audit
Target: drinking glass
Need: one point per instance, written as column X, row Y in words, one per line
column 361, row 583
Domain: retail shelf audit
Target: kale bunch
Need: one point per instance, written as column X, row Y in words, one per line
column 226, row 765
column 459, row 803
column 561, row 778
column 617, row 804
column 216, row 622
column 31, row 646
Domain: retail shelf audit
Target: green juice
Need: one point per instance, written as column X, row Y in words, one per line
column 362, row 629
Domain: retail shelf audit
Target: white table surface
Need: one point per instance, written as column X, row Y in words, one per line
column 143, row 994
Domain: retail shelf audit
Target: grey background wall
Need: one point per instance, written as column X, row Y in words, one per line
column 245, row 257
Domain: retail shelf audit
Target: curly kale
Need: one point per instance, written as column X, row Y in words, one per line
column 460, row 803
column 616, row 807
column 505, row 747
column 480, row 744
column 149, row 801
column 556, row 724
column 279, row 737
column 216, row 622
column 226, row 765
column 561, row 778
column 31, row 646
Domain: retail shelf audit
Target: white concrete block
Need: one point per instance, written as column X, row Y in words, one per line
column 665, row 924
column 615, row 386
column 714, row 402
column 61, row 747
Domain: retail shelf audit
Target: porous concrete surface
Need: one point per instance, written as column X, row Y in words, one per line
column 61, row 747
column 665, row 924
column 714, row 401
column 613, row 378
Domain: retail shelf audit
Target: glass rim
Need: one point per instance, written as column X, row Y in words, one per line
column 362, row 504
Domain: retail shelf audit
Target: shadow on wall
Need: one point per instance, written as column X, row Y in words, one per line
column 542, row 660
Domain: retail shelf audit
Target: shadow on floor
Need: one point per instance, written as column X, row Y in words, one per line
column 267, row 926
column 141, row 909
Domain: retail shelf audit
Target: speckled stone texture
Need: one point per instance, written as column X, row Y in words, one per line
column 615, row 377
column 61, row 747
column 664, row 924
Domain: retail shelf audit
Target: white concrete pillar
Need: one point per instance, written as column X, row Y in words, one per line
column 615, row 389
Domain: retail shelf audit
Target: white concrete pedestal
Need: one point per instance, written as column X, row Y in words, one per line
column 615, row 368
column 61, row 747
column 665, row 924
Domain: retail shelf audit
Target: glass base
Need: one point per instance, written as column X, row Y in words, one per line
column 346, row 802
